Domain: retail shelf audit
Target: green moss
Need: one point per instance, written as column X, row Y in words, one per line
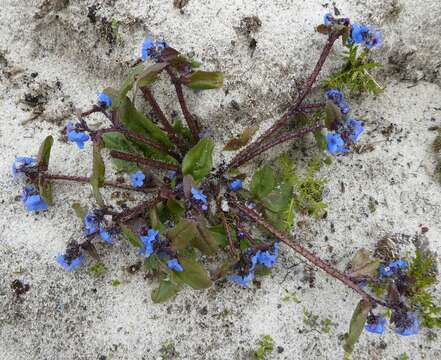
column 436, row 145
column 354, row 77
column 265, row 347
column 438, row 172
column 423, row 276
column 116, row 282
column 98, row 269
column 168, row 350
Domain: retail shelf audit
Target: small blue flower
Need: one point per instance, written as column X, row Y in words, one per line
column 267, row 258
column 250, row 205
column 375, row 324
column 32, row 200
column 137, row 179
column 241, row 280
column 21, row 163
column 171, row 174
column 69, row 265
column 254, row 261
column 327, row 19
column 236, row 185
column 105, row 99
column 148, row 240
column 392, row 268
column 365, row 35
column 150, row 47
column 198, row 195
column 412, row 326
column 336, row 144
column 90, row 223
column 335, row 95
column 356, row 128
column 79, row 137
column 105, row 235
column 344, row 107
column 175, row 265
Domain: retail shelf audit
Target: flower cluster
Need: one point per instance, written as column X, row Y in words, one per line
column 406, row 322
column 76, row 135
column 346, row 131
column 250, row 259
column 94, row 223
column 151, row 49
column 22, row 164
column 32, row 200
column 152, row 244
column 72, row 258
column 200, row 198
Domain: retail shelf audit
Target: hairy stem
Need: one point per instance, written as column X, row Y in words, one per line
column 84, row 179
column 290, row 135
column 148, row 95
column 297, row 104
column 298, row 248
column 141, row 160
column 132, row 213
column 191, row 121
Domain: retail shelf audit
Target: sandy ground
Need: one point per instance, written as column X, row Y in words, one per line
column 55, row 56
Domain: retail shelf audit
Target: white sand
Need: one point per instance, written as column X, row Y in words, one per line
column 76, row 316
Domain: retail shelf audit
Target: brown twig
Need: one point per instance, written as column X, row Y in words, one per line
column 298, row 248
column 290, row 135
column 295, row 107
column 191, row 121
column 132, row 213
column 84, row 179
column 148, row 95
column 141, row 160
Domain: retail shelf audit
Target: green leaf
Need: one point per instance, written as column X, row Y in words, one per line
column 185, row 132
column 198, row 161
column 166, row 291
column 263, row 182
column 279, row 199
column 333, row 114
column 117, row 141
column 79, row 211
column 182, row 234
column 356, row 326
column 320, row 138
column 363, row 265
column 175, row 207
column 137, row 122
column 204, row 241
column 218, row 233
column 194, row 274
column 98, row 173
column 45, row 190
column 150, row 74
column 205, row 80
column 239, row 142
column 131, row 236
column 44, row 152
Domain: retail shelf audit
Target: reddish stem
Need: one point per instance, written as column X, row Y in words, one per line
column 293, row 134
column 84, row 179
column 191, row 121
column 132, row 213
column 295, row 107
column 141, row 160
column 329, row 269
column 148, row 95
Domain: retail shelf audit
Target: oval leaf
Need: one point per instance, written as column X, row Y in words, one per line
column 44, row 152
column 98, row 173
column 205, row 80
column 263, row 182
column 198, row 161
column 241, row 141
column 131, row 236
column 356, row 326
column 194, row 274
column 79, row 210
column 166, row 291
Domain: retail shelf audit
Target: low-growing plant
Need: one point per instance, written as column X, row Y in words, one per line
column 191, row 211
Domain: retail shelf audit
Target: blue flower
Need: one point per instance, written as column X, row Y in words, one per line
column 356, row 128
column 21, row 163
column 79, row 137
column 254, row 260
column 137, row 179
column 198, row 195
column 365, row 35
column 171, row 174
column 375, row 324
column 69, row 265
column 267, row 258
column 250, row 205
column 105, row 99
column 148, row 240
column 392, row 268
column 32, row 200
column 236, row 185
column 90, row 223
column 336, row 144
column 337, row 97
column 105, row 235
column 410, row 327
column 150, row 47
column 327, row 19
column 175, row 265
column 241, row 280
